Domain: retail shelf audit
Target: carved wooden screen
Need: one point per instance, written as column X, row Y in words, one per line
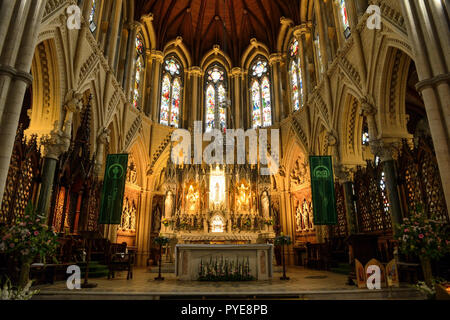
column 22, row 181
column 420, row 180
column 340, row 230
column 371, row 201
column 92, row 206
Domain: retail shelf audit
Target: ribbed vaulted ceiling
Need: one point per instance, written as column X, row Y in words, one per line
column 201, row 23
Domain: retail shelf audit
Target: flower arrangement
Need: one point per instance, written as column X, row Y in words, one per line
column 29, row 237
column 9, row 292
column 165, row 222
column 225, row 270
column 247, row 222
column 423, row 237
column 268, row 222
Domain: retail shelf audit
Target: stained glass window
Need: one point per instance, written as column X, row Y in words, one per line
column 344, row 18
column 216, row 98
column 139, row 71
column 171, row 93
column 92, row 24
column 260, row 94
column 296, row 76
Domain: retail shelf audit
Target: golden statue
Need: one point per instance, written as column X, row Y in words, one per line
column 243, row 198
column 192, row 199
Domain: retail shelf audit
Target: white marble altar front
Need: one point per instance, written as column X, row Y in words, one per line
column 190, row 256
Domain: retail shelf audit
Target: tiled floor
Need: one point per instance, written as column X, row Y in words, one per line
column 302, row 281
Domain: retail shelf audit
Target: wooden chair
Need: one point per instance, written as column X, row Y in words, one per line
column 120, row 260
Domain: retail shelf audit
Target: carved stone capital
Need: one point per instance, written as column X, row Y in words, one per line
column 332, row 139
column 103, row 138
column 275, row 58
column 343, row 173
column 195, row 71
column 286, row 21
column 237, row 72
column 367, row 107
column 157, row 55
column 74, row 102
column 386, row 151
column 56, row 143
column 133, row 25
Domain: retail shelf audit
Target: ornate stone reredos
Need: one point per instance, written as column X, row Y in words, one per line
column 300, row 173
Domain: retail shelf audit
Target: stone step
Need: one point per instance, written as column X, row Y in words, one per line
column 166, row 267
column 357, row 294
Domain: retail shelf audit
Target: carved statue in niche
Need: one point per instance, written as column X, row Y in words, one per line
column 192, row 199
column 131, row 172
column 265, row 205
column 217, row 193
column 168, row 205
column 307, row 209
column 298, row 217
column 243, row 198
column 128, row 220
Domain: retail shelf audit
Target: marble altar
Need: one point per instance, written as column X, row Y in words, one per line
column 189, row 258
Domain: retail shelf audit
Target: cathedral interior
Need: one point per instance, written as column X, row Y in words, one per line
column 364, row 82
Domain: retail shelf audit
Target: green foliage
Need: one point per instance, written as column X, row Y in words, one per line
column 282, row 240
column 29, row 237
column 161, row 240
column 421, row 236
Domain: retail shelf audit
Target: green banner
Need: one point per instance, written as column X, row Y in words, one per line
column 113, row 189
column 322, row 187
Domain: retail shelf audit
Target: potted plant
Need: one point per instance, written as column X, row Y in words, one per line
column 161, row 241
column 282, row 241
column 425, row 238
column 28, row 239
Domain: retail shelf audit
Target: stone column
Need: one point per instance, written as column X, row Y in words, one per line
column 102, row 142
column 236, row 78
column 157, row 60
column 129, row 64
column 6, row 14
column 279, row 110
column 429, row 33
column 352, row 221
column 324, row 49
column 16, row 55
column 385, row 152
column 54, row 146
column 195, row 74
column 111, row 50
